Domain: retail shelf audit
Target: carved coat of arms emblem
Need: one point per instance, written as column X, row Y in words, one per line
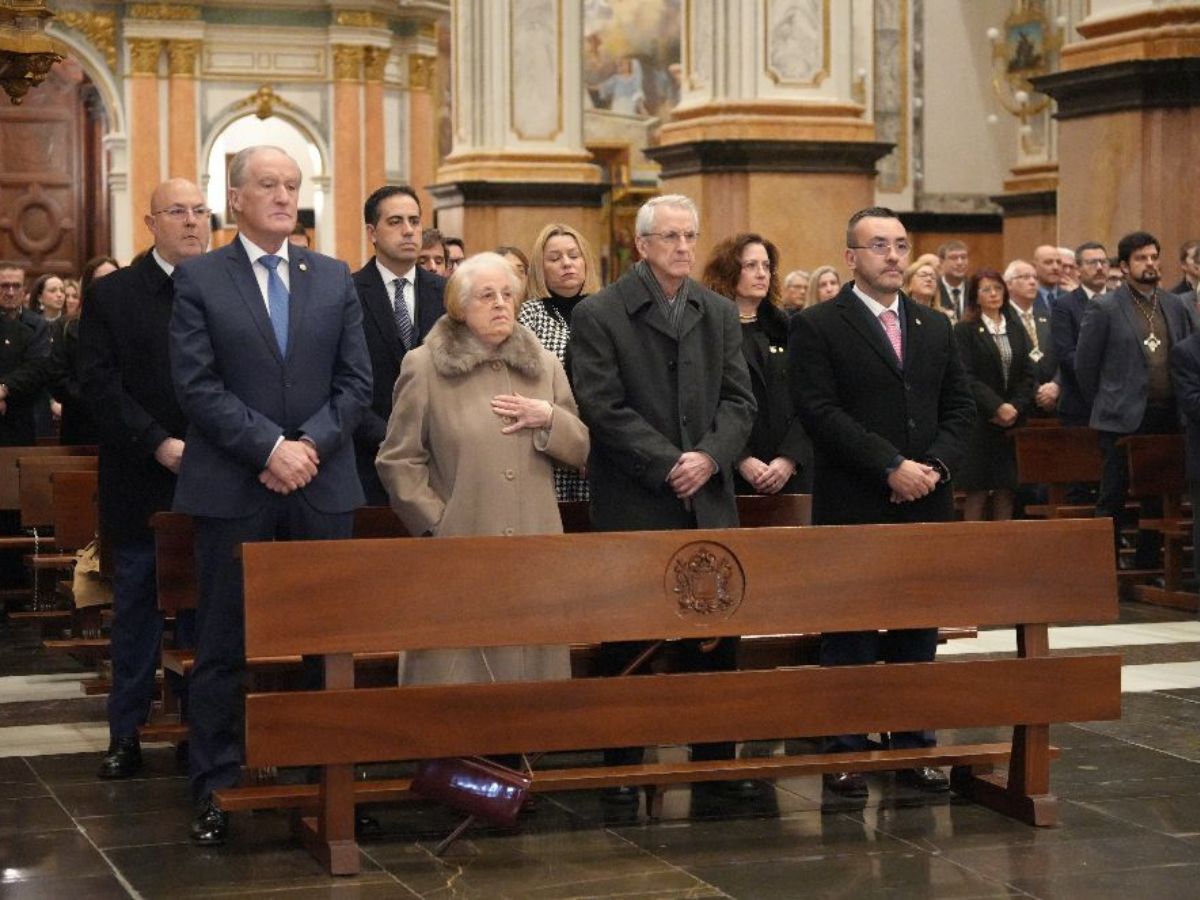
column 705, row 579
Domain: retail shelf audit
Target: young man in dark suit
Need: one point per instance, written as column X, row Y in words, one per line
column 126, row 379
column 271, row 369
column 1121, row 364
column 1092, row 258
column 400, row 302
column 877, row 381
column 1185, row 378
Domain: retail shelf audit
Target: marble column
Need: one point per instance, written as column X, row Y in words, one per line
column 145, row 158
column 1128, row 97
column 348, row 152
column 182, row 120
column 518, row 159
column 374, row 150
column 768, row 135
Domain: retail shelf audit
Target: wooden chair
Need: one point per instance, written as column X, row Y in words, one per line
column 335, row 599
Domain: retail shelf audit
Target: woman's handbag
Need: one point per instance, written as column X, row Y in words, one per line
column 482, row 788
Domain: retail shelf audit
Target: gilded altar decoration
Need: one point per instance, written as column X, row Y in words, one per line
column 26, row 52
column 100, row 29
column 705, row 579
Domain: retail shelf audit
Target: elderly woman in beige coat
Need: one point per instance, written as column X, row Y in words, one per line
column 481, row 415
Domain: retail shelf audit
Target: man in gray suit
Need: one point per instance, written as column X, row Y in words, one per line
column 657, row 368
column 271, row 370
column 1121, row 364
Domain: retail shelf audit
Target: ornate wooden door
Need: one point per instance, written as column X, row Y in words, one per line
column 53, row 198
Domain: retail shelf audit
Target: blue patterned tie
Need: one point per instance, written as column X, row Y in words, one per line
column 404, row 325
column 277, row 301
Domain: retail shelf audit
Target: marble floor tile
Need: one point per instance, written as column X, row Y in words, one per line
column 50, row 686
column 40, row 814
column 68, row 737
column 29, row 855
column 90, row 887
column 895, row 875
column 1174, row 882
column 1177, row 815
column 593, row 863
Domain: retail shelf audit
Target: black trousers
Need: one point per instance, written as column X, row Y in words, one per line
column 1114, row 485
column 215, row 689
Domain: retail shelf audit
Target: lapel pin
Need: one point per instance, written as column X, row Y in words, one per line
column 303, row 267
column 918, row 321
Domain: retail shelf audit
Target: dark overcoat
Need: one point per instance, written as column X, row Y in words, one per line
column 648, row 393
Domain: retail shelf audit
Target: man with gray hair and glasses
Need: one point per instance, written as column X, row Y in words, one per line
column 24, row 355
column 657, row 368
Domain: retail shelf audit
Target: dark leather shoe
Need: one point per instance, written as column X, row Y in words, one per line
column 123, row 760
column 210, row 827
column 620, row 796
column 846, row 784
column 924, row 778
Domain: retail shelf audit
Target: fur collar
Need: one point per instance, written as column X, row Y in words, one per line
column 455, row 350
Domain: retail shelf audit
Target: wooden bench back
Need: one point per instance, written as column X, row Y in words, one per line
column 36, row 495
column 76, row 509
column 564, row 589
column 468, row 592
column 10, row 493
column 176, row 560
column 1057, row 455
column 1156, row 465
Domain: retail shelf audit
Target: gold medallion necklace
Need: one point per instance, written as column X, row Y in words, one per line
column 1152, row 340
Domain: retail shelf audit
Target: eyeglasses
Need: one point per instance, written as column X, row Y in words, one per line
column 179, row 213
column 11, row 286
column 755, row 265
column 1094, row 262
column 881, row 247
column 674, row 237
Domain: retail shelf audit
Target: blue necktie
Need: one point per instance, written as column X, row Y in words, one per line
column 277, row 301
column 404, row 325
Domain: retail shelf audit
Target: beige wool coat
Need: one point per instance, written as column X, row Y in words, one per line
column 448, row 469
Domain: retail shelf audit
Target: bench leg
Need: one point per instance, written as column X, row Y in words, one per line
column 1025, row 794
column 330, row 836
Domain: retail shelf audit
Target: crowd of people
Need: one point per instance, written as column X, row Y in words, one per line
column 267, row 391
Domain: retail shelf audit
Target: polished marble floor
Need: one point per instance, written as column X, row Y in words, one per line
column 1130, row 794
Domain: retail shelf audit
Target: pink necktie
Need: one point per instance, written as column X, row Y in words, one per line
column 891, row 324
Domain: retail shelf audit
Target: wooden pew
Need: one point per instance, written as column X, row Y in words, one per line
column 1058, row 457
column 12, row 539
column 1156, row 469
column 334, row 599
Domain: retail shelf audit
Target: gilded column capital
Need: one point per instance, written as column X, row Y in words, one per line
column 143, row 56
column 347, row 62
column 374, row 62
column 181, row 58
column 100, row 29
column 168, row 12
column 420, row 71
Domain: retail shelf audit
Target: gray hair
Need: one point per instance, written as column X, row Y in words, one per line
column 646, row 215
column 795, row 275
column 1066, row 251
column 1010, row 271
column 237, row 168
column 462, row 282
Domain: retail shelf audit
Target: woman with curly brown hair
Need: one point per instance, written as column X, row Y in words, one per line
column 778, row 456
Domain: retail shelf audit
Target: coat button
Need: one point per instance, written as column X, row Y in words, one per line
column 510, row 474
column 508, row 532
column 912, row 423
column 497, row 365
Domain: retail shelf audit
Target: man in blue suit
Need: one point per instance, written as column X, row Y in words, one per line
column 271, row 369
